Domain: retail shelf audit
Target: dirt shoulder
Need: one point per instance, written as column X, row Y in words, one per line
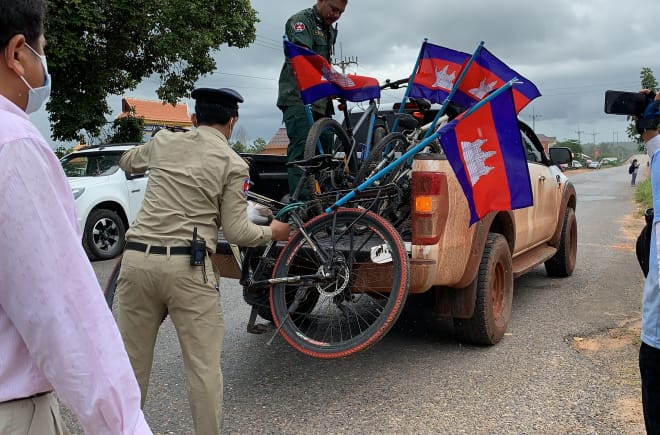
column 617, row 349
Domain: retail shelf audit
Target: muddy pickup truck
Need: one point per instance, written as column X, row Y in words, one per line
column 467, row 271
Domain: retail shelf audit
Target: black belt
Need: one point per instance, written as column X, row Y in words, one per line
column 162, row 250
column 34, row 396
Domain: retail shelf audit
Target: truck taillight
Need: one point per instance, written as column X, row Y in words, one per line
column 429, row 207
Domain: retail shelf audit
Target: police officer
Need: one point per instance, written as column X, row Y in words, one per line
column 196, row 184
column 313, row 29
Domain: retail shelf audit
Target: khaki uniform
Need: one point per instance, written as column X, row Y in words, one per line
column 195, row 180
column 38, row 415
column 307, row 29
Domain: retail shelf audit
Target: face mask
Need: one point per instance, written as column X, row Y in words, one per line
column 37, row 96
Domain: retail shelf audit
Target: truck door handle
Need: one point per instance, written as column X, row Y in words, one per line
column 135, row 191
column 542, row 177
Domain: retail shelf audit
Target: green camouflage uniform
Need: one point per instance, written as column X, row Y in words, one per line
column 307, row 29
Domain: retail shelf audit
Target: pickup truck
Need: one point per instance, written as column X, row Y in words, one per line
column 467, row 271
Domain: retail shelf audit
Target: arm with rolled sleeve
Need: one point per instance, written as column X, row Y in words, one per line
column 51, row 296
column 236, row 227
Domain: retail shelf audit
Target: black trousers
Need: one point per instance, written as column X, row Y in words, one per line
column 649, row 369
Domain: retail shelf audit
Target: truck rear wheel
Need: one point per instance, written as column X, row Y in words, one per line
column 562, row 264
column 492, row 309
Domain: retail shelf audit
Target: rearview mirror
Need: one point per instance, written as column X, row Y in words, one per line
column 560, row 155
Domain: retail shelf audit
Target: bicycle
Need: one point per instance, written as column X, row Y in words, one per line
column 336, row 287
column 341, row 141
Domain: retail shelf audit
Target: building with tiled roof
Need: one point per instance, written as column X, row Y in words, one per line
column 156, row 114
column 546, row 141
column 277, row 144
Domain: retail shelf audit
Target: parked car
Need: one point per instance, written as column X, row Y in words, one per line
column 107, row 199
column 594, row 164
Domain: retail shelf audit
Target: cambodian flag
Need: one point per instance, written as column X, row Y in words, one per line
column 317, row 79
column 485, row 151
column 436, row 75
column 488, row 73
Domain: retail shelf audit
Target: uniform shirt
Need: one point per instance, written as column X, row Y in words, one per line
column 195, row 180
column 306, row 28
column 651, row 299
column 55, row 328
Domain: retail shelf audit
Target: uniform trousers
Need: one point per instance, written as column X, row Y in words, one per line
column 38, row 415
column 649, row 368
column 148, row 287
column 297, row 128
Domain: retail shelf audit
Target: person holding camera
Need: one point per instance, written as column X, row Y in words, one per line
column 197, row 183
column 649, row 353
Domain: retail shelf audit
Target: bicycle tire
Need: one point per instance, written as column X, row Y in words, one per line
column 337, row 136
column 396, row 141
column 357, row 306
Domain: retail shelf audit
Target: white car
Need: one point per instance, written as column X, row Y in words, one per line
column 593, row 164
column 107, row 199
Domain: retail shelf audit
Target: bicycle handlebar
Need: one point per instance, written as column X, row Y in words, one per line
column 394, row 84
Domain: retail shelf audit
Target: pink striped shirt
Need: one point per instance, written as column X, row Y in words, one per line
column 55, row 330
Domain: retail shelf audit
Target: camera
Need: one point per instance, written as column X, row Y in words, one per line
column 627, row 103
column 640, row 105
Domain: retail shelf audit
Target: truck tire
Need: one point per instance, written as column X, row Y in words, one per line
column 104, row 234
column 494, row 299
column 562, row 264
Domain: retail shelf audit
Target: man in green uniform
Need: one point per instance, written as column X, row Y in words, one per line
column 313, row 29
column 196, row 182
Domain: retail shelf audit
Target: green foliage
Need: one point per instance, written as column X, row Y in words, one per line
column 62, row 151
column 99, row 48
column 258, row 145
column 573, row 144
column 644, row 194
column 647, row 81
column 238, row 146
column 127, row 129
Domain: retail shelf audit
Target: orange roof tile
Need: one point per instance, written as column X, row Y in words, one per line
column 156, row 112
column 278, row 143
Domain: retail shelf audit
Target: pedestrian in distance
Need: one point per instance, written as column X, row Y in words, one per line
column 649, row 353
column 311, row 28
column 57, row 336
column 632, row 170
column 197, row 184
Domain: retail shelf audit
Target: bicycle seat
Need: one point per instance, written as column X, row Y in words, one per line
column 422, row 103
column 406, row 121
column 320, row 162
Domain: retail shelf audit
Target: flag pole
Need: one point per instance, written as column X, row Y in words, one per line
column 454, row 88
column 414, row 150
column 410, row 82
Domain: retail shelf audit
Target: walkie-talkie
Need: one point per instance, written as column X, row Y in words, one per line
column 197, row 250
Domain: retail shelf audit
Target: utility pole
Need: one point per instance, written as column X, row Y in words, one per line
column 344, row 62
column 593, row 134
column 534, row 116
column 579, row 132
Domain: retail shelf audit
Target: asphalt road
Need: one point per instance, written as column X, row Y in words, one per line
column 420, row 380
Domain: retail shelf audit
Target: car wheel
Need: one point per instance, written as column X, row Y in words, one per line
column 104, row 235
column 494, row 299
column 562, row 264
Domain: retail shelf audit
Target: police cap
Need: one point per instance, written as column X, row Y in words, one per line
column 222, row 96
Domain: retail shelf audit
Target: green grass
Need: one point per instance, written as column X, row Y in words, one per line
column 643, row 195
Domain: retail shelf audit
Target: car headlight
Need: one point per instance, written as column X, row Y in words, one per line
column 77, row 191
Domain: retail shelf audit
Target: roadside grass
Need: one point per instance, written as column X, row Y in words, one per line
column 643, row 195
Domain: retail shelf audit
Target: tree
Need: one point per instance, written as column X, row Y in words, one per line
column 127, row 129
column 258, row 145
column 573, row 144
column 100, row 48
column 648, row 81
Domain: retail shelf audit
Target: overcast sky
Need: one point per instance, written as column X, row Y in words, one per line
column 573, row 51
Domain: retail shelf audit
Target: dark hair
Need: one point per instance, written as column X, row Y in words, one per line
column 212, row 113
column 21, row 17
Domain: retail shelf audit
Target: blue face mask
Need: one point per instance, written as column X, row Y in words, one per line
column 37, row 96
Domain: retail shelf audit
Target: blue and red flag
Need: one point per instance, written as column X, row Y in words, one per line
column 485, row 151
column 317, row 79
column 488, row 73
column 436, row 75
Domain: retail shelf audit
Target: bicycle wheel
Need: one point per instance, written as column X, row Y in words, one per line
column 384, row 152
column 359, row 291
column 336, row 142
